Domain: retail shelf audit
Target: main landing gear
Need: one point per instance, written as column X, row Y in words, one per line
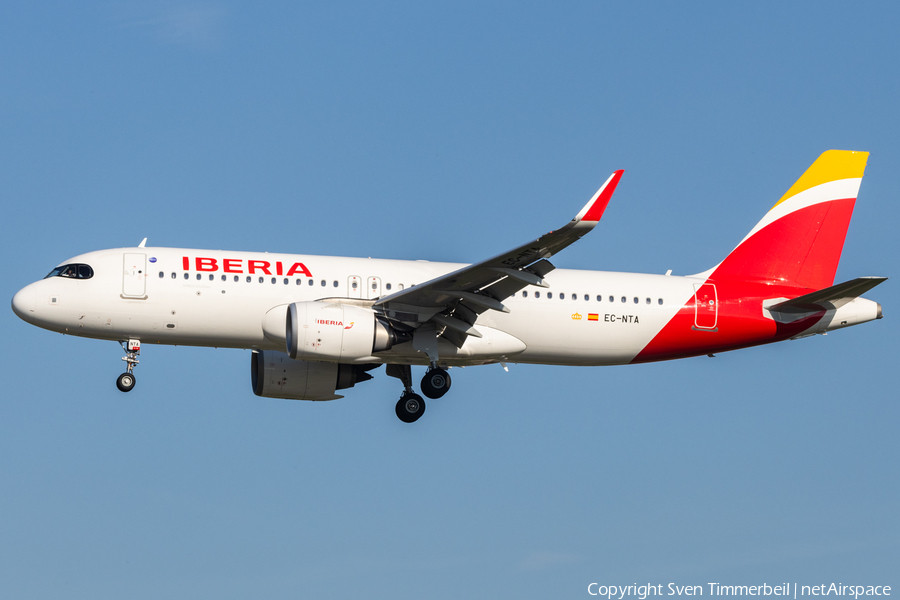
column 411, row 406
column 436, row 382
column 126, row 380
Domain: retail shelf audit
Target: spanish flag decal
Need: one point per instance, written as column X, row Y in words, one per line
column 593, row 317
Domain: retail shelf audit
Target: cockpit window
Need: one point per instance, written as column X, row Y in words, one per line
column 74, row 271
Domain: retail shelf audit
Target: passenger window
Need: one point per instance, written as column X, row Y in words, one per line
column 537, row 294
column 236, row 278
column 310, row 281
column 648, row 300
column 248, row 280
column 611, row 299
column 224, row 278
column 261, row 279
column 173, row 275
column 660, row 301
column 286, row 281
column 298, row 281
column 524, row 293
column 624, row 299
column 587, row 298
column 161, row 274
column 199, row 276
column 323, row 283
column 187, row 276
column 636, row 300
column 400, row 286
column 575, row 297
column 355, row 285
column 599, row 298
column 211, row 277
column 274, row 280
column 335, row 284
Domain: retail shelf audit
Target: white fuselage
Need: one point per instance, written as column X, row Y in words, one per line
column 583, row 318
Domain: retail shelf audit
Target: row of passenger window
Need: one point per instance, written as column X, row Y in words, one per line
column 286, row 280
column 248, row 279
column 388, row 286
column 587, row 297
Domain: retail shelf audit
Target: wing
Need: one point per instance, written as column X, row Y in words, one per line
column 451, row 303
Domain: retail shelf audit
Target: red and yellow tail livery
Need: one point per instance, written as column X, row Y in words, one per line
column 800, row 239
column 791, row 253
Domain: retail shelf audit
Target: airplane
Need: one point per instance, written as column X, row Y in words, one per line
column 320, row 324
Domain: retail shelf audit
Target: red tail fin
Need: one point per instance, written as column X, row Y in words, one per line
column 800, row 239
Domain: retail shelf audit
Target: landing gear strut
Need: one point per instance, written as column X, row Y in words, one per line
column 126, row 380
column 436, row 382
column 410, row 406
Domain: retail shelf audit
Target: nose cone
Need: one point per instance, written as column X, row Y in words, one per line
column 23, row 303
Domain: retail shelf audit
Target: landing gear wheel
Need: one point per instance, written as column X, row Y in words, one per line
column 125, row 382
column 410, row 407
column 436, row 383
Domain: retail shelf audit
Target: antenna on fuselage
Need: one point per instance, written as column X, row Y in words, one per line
column 143, row 242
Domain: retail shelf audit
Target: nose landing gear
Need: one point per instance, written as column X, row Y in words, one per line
column 126, row 380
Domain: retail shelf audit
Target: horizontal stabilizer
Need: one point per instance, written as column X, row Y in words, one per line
column 831, row 297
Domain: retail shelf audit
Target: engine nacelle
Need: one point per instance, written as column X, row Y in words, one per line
column 322, row 331
column 276, row 375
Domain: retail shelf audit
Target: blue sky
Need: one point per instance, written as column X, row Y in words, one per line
column 442, row 132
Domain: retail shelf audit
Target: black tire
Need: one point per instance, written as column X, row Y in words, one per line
column 410, row 407
column 125, row 382
column 436, row 383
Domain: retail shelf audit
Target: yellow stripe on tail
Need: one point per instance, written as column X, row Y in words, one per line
column 831, row 165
